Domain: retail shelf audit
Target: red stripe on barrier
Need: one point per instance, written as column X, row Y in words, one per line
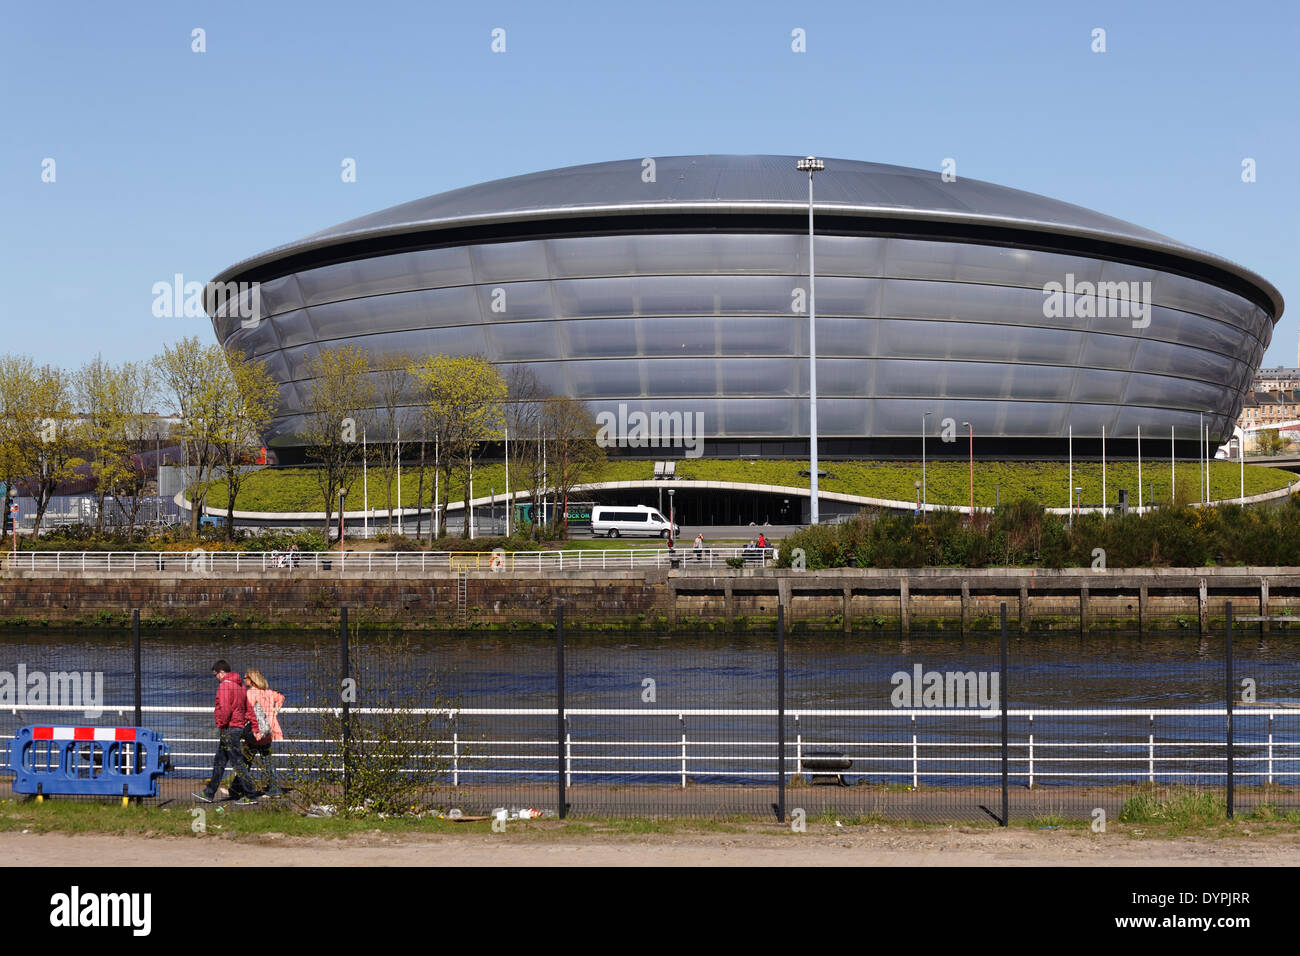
column 83, row 733
column 125, row 733
column 42, row 733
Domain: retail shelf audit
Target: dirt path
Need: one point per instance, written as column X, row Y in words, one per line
column 769, row 847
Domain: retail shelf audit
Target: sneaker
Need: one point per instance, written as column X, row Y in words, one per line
column 245, row 802
column 201, row 796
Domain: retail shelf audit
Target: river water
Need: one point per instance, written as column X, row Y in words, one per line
column 667, row 688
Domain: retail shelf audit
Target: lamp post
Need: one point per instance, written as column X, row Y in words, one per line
column 918, row 498
column 924, row 426
column 342, row 499
column 672, row 527
column 810, row 165
column 971, row 431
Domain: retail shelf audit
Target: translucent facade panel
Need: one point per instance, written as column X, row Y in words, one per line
column 509, row 261
column 395, row 313
column 513, row 342
column 683, row 377
column 843, row 256
column 1109, row 351
column 1100, row 385
column 848, row 337
column 1191, row 295
column 1191, row 363
column 758, row 416
column 906, row 379
column 281, row 295
column 760, row 336
column 1169, row 391
column 678, row 336
column 593, row 256
column 843, row 296
column 402, row 272
column 1037, row 382
column 1184, row 328
column 698, row 254
column 758, row 376
column 970, row 303
column 619, row 379
column 293, row 328
column 847, row 377
column 514, row 301
column 842, row 416
column 258, row 340
column 599, row 338
column 595, row 297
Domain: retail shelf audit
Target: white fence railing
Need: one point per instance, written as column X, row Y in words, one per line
column 202, row 561
column 669, row 745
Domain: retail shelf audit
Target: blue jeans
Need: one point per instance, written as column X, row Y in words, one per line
column 230, row 749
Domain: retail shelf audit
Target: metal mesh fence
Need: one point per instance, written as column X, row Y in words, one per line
column 861, row 726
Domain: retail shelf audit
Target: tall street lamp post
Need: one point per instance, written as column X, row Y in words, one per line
column 971, row 430
column 924, row 427
column 810, row 165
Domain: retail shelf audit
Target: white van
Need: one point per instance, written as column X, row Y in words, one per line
column 613, row 521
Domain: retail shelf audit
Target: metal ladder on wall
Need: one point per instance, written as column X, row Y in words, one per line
column 462, row 594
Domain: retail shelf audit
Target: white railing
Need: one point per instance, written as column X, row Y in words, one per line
column 200, row 561
column 661, row 745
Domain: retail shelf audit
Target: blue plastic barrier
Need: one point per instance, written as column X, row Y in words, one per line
column 87, row 761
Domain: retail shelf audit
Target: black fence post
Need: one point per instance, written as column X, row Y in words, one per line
column 135, row 642
column 1228, row 696
column 346, row 671
column 780, row 713
column 561, row 807
column 1006, row 817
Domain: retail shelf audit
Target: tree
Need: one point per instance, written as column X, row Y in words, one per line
column 249, row 397
column 463, row 398
column 338, row 397
column 572, row 452
column 525, row 399
column 192, row 376
column 392, row 375
column 1272, row 442
column 39, row 435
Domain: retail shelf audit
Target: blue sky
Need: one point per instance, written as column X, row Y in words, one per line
column 170, row 161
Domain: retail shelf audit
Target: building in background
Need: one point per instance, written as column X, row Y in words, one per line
column 680, row 285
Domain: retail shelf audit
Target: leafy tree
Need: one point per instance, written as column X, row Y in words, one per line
column 395, row 417
column 462, row 398
column 192, row 377
column 1272, row 442
column 40, row 437
column 340, row 394
column 573, row 455
column 248, row 399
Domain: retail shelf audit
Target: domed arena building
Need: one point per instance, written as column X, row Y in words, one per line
column 680, row 285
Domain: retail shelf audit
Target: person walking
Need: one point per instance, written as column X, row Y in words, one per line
column 263, row 711
column 699, row 547
column 230, row 715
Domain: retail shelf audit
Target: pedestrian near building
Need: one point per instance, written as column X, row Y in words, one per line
column 264, row 729
column 230, row 715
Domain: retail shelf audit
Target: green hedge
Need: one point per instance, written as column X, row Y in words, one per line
column 1021, row 534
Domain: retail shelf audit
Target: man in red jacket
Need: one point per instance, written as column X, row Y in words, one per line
column 231, row 714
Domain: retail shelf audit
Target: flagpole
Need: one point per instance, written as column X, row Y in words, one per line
column 401, row 527
column 365, row 487
column 1139, row 469
column 1070, row 480
column 1241, row 458
column 507, row 430
column 1103, row 471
